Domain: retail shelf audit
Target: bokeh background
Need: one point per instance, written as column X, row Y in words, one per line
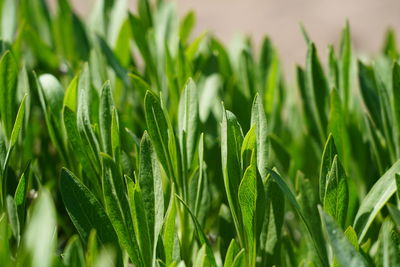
column 280, row 20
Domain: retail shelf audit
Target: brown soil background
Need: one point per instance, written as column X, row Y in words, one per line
column 280, row 20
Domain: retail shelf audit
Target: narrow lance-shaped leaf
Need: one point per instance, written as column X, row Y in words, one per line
column 40, row 238
column 83, row 116
column 344, row 251
column 51, row 94
column 308, row 202
column 116, row 204
column 337, row 193
column 89, row 214
column 337, row 126
column 18, row 123
column 200, row 180
column 345, row 65
column 200, row 234
column 271, row 233
column 326, row 164
column 248, row 147
column 231, row 142
column 20, row 195
column 140, row 221
column 388, row 253
column 317, row 90
column 285, row 189
column 231, row 253
column 73, row 252
column 333, row 68
column 396, row 100
column 80, row 148
column 158, row 129
column 115, row 138
column 259, row 120
column 169, row 232
column 8, row 86
column 13, row 219
column 151, row 188
column 105, row 114
column 369, row 93
column 13, row 140
column 247, row 196
column 376, row 198
column 189, row 121
column 390, row 44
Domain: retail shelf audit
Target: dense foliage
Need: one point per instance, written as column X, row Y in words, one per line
column 125, row 140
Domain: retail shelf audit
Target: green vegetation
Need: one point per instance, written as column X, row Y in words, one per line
column 127, row 141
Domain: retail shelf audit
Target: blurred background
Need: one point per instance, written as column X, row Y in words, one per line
column 279, row 19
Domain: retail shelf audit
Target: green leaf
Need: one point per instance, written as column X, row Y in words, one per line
column 89, row 214
column 51, row 94
column 231, row 253
column 115, row 138
column 169, row 233
column 259, row 120
column 139, row 35
column 8, row 20
column 200, row 182
column 8, row 90
column 376, row 198
column 117, row 17
column 345, row 65
column 394, row 212
column 344, row 251
column 248, row 146
column 13, row 220
column 40, row 235
column 390, row 44
column 105, row 116
column 247, row 197
column 22, row 188
column 231, row 143
column 352, row 237
column 186, row 26
column 112, row 61
column 396, row 94
column 70, row 97
column 337, row 126
column 117, row 205
column 308, row 202
column 388, row 254
column 200, row 234
column 81, row 149
column 140, row 221
column 85, row 96
column 145, row 12
column 369, row 93
column 73, row 253
column 157, row 127
column 18, row 123
column 209, row 99
column 326, row 163
column 333, row 68
column 239, row 259
column 271, row 232
column 151, row 188
column 316, row 241
column 188, row 121
column 317, row 90
column 337, row 193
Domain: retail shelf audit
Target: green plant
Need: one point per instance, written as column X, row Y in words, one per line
column 126, row 141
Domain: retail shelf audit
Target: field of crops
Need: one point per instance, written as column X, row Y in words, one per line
column 127, row 141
